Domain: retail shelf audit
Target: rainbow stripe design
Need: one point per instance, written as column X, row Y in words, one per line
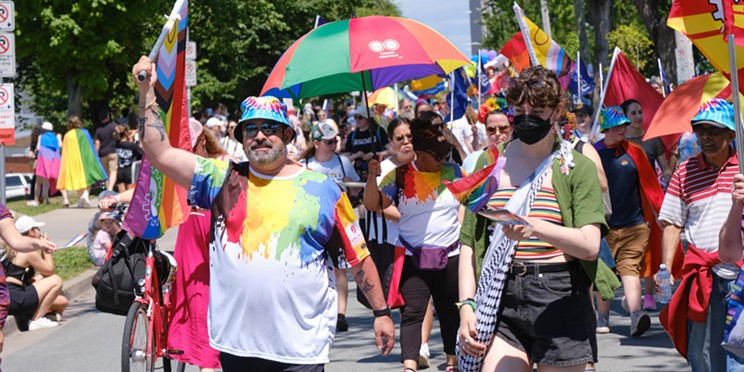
column 158, row 202
column 475, row 190
column 80, row 166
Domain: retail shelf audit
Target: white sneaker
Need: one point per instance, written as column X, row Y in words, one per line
column 423, row 360
column 41, row 323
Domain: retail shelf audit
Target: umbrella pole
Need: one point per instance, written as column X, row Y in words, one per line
column 364, row 92
column 737, row 103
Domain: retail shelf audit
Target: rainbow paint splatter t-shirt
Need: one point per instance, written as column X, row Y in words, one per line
column 428, row 210
column 274, row 242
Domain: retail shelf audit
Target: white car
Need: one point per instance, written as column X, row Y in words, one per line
column 17, row 184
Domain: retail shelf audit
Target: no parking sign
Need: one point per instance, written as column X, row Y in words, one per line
column 7, row 114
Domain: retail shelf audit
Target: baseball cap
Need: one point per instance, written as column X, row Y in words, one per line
column 213, row 121
column 47, row 126
column 266, row 107
column 583, row 108
column 611, row 117
column 716, row 112
column 25, row 223
column 323, row 131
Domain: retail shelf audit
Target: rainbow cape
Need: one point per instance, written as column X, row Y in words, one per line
column 474, row 190
column 158, row 202
column 80, row 166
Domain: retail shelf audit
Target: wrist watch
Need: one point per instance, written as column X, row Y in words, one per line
column 384, row 312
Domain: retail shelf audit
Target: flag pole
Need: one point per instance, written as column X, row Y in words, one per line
column 737, row 103
column 578, row 77
column 172, row 19
column 452, row 97
column 595, row 126
column 479, row 77
column 661, row 77
column 397, row 104
column 525, row 34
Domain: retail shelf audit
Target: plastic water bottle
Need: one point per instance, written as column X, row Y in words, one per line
column 665, row 287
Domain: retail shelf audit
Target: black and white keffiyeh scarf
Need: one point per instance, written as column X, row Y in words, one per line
column 496, row 265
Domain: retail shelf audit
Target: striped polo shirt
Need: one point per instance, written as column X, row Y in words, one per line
column 699, row 199
column 545, row 207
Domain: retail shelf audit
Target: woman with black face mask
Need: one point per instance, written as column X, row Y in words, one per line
column 525, row 288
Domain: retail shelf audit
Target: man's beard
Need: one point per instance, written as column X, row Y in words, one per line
column 275, row 153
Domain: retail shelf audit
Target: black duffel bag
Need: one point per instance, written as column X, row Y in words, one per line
column 116, row 281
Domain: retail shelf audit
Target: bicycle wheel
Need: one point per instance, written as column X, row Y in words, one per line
column 134, row 356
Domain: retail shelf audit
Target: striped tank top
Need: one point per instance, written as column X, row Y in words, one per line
column 544, row 207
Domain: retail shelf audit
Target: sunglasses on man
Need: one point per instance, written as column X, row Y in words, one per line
column 267, row 128
column 492, row 130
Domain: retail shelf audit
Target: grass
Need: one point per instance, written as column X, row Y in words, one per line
column 18, row 205
column 70, row 262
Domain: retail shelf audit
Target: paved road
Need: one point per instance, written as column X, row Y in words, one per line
column 88, row 340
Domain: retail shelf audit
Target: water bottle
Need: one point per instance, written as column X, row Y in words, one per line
column 664, row 286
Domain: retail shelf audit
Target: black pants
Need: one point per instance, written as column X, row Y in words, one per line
column 232, row 363
column 416, row 287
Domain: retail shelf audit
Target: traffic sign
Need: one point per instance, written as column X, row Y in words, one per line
column 7, row 114
column 7, row 54
column 191, row 50
column 7, row 16
column 190, row 73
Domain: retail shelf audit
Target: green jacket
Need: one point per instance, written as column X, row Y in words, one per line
column 580, row 199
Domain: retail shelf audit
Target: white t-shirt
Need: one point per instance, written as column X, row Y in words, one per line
column 101, row 245
column 233, row 148
column 386, row 167
column 428, row 210
column 336, row 168
column 461, row 129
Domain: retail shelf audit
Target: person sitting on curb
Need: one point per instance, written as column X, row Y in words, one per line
column 32, row 296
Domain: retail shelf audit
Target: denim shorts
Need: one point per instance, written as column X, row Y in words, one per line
column 549, row 316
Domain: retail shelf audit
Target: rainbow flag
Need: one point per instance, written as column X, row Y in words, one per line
column 706, row 24
column 80, row 166
column 543, row 50
column 158, row 202
column 476, row 189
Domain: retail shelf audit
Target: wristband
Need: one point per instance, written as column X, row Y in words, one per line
column 468, row 301
column 384, row 312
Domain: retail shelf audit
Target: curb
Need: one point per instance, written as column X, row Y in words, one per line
column 71, row 289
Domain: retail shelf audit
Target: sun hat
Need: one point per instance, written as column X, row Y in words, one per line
column 323, row 131
column 361, row 110
column 612, row 117
column 715, row 112
column 47, row 126
column 107, row 216
column 195, row 129
column 26, row 223
column 266, row 107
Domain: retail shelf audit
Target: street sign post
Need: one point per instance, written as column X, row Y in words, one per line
column 190, row 73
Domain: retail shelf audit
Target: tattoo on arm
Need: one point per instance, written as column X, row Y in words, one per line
column 158, row 124
column 362, row 282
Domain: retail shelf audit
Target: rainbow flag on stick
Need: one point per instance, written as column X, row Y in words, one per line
column 542, row 49
column 159, row 203
column 476, row 189
column 79, row 166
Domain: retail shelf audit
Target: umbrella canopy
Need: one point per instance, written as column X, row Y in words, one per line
column 428, row 86
column 681, row 105
column 387, row 96
column 385, row 50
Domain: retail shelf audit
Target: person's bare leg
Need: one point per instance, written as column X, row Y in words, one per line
column 45, row 190
column 502, row 357
column 60, row 304
column 428, row 323
column 65, row 201
column 48, row 289
column 342, row 286
column 632, row 289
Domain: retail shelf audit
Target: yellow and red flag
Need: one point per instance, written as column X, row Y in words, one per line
column 544, row 49
column 707, row 24
column 516, row 51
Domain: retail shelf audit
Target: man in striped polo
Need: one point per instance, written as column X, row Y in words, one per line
column 698, row 200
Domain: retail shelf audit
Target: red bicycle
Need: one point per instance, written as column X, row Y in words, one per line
column 146, row 328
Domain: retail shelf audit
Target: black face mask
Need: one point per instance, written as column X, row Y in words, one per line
column 530, row 129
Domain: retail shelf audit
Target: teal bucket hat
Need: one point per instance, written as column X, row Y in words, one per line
column 266, row 107
column 611, row 117
column 716, row 112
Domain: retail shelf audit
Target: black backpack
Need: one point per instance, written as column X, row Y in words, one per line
column 116, row 281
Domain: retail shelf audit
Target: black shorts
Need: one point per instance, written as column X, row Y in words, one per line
column 23, row 300
column 124, row 175
column 549, row 316
column 231, row 363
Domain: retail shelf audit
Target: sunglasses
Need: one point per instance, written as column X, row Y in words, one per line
column 331, row 142
column 437, row 157
column 268, row 129
column 492, row 130
column 407, row 107
column 402, row 137
column 709, row 131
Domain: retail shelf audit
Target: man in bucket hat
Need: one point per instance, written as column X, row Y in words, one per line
column 278, row 230
column 698, row 200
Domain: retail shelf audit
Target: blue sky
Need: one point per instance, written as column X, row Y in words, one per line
column 449, row 17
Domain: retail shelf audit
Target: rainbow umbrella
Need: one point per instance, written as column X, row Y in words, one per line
column 388, row 97
column 682, row 104
column 334, row 57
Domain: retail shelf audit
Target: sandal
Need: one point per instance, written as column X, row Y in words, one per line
column 452, row 369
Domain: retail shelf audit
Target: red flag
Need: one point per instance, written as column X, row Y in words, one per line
column 626, row 83
column 516, row 51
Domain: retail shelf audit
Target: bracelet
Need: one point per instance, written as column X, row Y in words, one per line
column 468, row 301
